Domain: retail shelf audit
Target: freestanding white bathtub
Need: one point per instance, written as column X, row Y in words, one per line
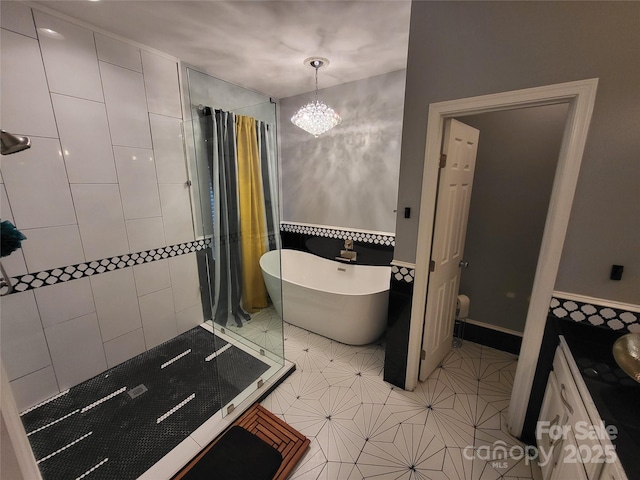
column 344, row 302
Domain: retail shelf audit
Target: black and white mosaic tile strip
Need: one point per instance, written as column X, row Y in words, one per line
column 594, row 314
column 365, row 237
column 403, row 274
column 86, row 269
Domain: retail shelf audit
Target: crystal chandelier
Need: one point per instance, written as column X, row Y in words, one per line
column 316, row 117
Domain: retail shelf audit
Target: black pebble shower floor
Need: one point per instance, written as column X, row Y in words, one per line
column 122, row 437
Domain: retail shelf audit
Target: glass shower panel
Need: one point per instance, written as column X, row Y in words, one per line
column 233, row 167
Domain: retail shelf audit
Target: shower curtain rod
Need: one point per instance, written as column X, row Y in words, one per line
column 208, row 111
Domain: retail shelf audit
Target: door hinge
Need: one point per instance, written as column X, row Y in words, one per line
column 432, row 266
column 443, row 160
column 423, row 355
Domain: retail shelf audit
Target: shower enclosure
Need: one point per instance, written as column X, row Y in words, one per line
column 129, row 420
column 231, row 141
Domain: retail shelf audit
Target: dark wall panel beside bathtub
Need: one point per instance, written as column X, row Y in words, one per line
column 368, row 253
column 397, row 336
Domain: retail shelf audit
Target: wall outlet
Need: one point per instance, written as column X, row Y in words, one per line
column 616, row 272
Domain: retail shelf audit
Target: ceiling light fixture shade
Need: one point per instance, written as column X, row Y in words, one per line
column 316, row 117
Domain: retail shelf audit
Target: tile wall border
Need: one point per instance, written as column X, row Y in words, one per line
column 54, row 276
column 620, row 317
column 364, row 236
column 403, row 272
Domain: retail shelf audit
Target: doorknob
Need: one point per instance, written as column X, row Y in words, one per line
column 463, row 264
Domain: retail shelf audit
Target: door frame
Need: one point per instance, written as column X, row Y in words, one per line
column 580, row 95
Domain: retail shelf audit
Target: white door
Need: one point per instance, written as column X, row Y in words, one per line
column 460, row 146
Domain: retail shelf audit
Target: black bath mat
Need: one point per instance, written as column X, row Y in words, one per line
column 119, row 423
column 237, row 455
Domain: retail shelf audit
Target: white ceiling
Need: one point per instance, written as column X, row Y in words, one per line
column 261, row 45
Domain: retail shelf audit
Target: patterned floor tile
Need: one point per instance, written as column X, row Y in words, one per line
column 455, row 426
column 363, row 428
column 503, row 468
column 458, row 464
column 340, row 471
column 300, row 385
column 459, row 375
column 407, row 407
column 376, row 423
column 264, row 329
column 371, row 388
column 415, row 452
column 469, row 349
column 340, row 353
column 311, row 465
column 330, row 419
column 307, row 353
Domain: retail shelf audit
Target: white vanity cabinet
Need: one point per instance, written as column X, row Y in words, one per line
column 571, row 441
column 552, row 416
column 568, row 468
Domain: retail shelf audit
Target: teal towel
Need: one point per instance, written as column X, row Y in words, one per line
column 10, row 238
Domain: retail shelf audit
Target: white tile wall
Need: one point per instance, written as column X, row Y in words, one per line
column 184, row 280
column 124, row 347
column 100, row 219
column 34, row 388
column 161, row 82
column 64, row 301
column 86, row 144
column 24, row 90
column 69, row 54
column 158, row 317
column 138, row 183
column 145, row 234
column 166, row 133
column 116, row 302
column 176, row 212
column 189, row 318
column 37, row 185
column 16, row 16
column 152, row 277
column 24, row 348
column 76, row 350
column 82, row 197
column 52, row 247
column 14, row 264
column 118, row 53
column 125, row 98
column 5, row 208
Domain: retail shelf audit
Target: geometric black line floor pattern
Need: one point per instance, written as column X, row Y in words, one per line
column 361, row 427
column 119, row 423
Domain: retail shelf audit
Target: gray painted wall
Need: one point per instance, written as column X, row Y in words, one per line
column 347, row 177
column 463, row 49
column 516, row 162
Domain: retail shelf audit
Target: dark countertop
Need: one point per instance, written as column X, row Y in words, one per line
column 616, row 395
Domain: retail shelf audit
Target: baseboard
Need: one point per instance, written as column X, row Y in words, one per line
column 492, row 336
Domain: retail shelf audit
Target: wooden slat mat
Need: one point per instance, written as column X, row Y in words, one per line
column 291, row 444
